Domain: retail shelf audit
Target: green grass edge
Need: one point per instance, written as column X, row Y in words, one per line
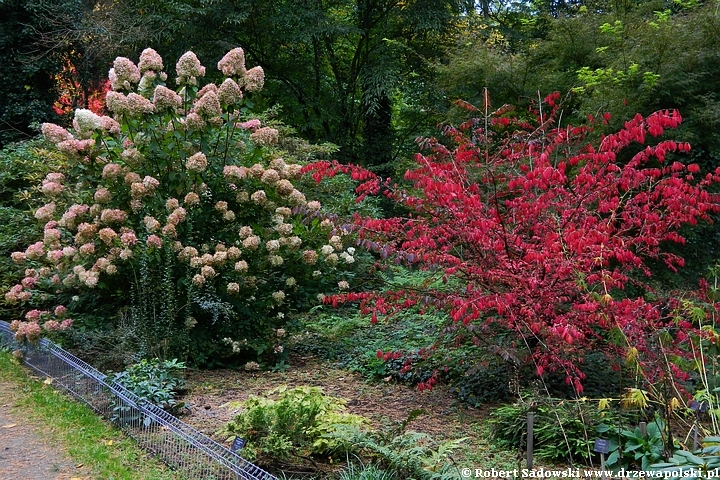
column 104, row 450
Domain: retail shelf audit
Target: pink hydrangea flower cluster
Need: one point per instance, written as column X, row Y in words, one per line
column 193, row 121
column 197, row 162
column 154, row 241
column 191, row 198
column 270, row 177
column 71, row 216
column 110, row 125
column 229, row 92
column 253, row 124
column 176, row 216
column 259, row 197
column 188, row 69
column 128, row 238
column 107, row 235
column 35, row 251
column 284, row 187
column 55, row 133
column 208, row 105
column 111, row 171
column 234, row 173
column 52, row 185
column 252, row 242
column 85, row 231
column 310, row 257
column 254, row 79
column 52, row 189
column 233, row 63
column 26, row 330
column 87, row 249
column 265, row 136
column 166, row 99
column 51, row 237
column 150, row 60
column 55, row 256
column 113, row 216
column 133, row 105
column 17, row 294
column 76, row 147
column 102, row 195
column 123, row 74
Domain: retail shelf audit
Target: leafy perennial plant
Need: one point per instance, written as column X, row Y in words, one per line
column 174, row 209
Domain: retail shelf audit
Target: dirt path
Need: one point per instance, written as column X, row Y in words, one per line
column 24, row 453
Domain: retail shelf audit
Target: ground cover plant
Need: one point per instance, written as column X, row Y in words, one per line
column 158, row 382
column 174, row 216
column 288, row 423
column 384, row 424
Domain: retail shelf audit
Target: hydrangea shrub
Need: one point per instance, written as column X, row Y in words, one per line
column 174, row 209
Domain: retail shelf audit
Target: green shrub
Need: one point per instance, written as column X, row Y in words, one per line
column 298, row 422
column 157, row 381
column 631, row 448
column 365, row 472
column 23, row 165
column 407, row 454
column 563, row 430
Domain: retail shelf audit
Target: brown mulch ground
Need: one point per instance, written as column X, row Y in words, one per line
column 383, row 403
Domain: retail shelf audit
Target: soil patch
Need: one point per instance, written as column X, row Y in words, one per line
column 384, row 403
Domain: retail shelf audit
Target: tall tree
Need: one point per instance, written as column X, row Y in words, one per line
column 29, row 86
column 335, row 66
column 50, row 48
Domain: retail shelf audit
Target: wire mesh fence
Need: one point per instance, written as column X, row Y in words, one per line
column 163, row 435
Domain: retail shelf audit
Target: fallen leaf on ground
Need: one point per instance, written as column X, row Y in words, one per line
column 10, row 425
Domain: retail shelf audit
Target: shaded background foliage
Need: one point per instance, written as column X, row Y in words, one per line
column 370, row 75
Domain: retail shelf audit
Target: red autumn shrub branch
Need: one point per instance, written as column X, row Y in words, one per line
column 542, row 230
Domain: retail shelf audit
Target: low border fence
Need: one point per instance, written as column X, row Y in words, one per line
column 177, row 444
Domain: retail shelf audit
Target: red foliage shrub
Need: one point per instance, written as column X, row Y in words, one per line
column 543, row 230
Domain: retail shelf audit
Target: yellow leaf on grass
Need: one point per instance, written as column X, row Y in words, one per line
column 109, row 443
column 48, row 381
